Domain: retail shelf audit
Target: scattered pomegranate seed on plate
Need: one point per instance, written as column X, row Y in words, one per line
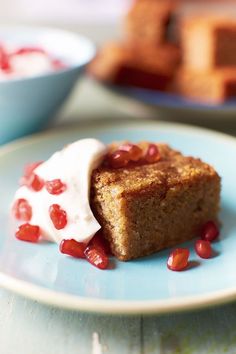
column 22, row 210
column 178, row 259
column 152, row 154
column 55, row 186
column 73, row 248
column 95, row 253
column 58, row 216
column 203, row 248
column 210, row 231
column 135, row 153
column 28, row 232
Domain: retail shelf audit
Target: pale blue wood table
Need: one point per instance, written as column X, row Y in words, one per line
column 28, row 327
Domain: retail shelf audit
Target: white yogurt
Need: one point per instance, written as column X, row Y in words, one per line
column 73, row 166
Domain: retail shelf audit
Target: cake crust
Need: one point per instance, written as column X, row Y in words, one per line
column 143, row 209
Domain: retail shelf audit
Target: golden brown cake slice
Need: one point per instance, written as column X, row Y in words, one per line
column 208, row 42
column 136, row 65
column 146, row 208
column 214, row 86
column 148, row 20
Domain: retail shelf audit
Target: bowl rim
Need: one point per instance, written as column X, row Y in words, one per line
column 90, row 47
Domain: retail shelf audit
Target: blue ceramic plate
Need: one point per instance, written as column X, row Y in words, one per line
column 144, row 285
column 160, row 99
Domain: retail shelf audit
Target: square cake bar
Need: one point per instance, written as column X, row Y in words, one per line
column 144, row 209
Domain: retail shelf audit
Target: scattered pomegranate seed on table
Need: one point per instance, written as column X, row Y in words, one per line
column 210, row 231
column 22, row 210
column 56, row 186
column 58, row 216
column 178, row 259
column 203, row 248
column 28, row 232
column 73, row 248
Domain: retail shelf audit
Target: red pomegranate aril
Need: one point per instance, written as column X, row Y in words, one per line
column 29, row 50
column 135, row 153
column 98, row 241
column 178, row 259
column 22, row 210
column 210, row 231
column 4, row 59
column 58, row 64
column 152, row 154
column 55, row 186
column 203, row 248
column 96, row 257
column 58, row 216
column 30, row 167
column 34, row 182
column 73, row 248
column 118, row 159
column 28, row 232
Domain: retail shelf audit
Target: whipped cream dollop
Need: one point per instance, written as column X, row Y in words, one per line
column 73, row 165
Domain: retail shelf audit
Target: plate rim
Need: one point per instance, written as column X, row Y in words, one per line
column 115, row 307
column 130, row 93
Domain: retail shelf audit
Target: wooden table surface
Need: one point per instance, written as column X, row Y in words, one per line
column 28, row 327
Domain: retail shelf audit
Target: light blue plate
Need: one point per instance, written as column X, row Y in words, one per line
column 140, row 286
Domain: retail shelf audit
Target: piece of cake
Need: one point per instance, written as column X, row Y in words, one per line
column 214, row 86
column 145, row 208
column 208, row 42
column 149, row 20
column 136, row 65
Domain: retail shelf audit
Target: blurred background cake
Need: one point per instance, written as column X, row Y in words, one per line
column 167, row 48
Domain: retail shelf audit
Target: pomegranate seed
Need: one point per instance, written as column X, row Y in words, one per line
column 95, row 252
column 33, row 182
column 58, row 64
column 58, row 216
column 210, row 231
column 30, row 167
column 118, row 159
column 203, row 248
column 4, row 60
column 152, row 154
column 28, row 232
column 73, row 248
column 28, row 50
column 178, row 259
column 56, row 186
column 22, row 210
column 96, row 257
column 135, row 153
column 98, row 241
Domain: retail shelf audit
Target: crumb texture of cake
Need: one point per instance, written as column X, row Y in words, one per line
column 208, row 42
column 134, row 65
column 144, row 209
